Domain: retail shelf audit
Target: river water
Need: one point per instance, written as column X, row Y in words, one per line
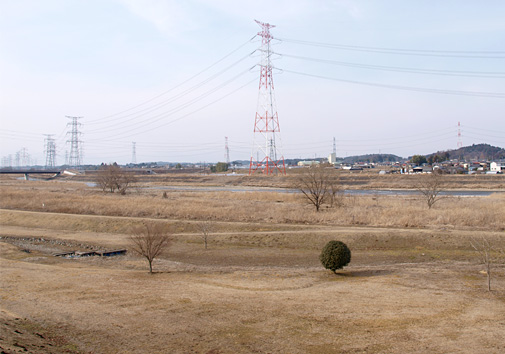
column 386, row 192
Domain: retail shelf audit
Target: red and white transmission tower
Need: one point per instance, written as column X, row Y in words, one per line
column 266, row 154
column 460, row 143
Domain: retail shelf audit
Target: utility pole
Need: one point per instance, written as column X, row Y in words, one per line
column 267, row 141
column 74, row 159
column 50, row 151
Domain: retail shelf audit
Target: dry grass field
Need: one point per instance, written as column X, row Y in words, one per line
column 414, row 285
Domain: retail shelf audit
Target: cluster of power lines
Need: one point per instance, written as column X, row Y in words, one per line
column 118, row 133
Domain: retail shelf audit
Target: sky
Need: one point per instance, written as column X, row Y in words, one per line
column 177, row 77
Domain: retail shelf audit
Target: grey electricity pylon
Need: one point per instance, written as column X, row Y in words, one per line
column 74, row 160
column 50, row 150
column 134, row 153
column 226, row 150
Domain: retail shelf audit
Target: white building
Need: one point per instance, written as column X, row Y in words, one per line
column 332, row 158
column 497, row 166
column 307, row 163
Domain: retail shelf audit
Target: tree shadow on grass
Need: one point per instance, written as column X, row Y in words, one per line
column 362, row 273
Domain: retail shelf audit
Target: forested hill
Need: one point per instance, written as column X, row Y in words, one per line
column 472, row 153
column 373, row 158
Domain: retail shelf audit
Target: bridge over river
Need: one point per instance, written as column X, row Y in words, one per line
column 27, row 173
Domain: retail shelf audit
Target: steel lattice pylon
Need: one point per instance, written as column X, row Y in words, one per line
column 266, row 154
column 50, row 150
column 74, row 159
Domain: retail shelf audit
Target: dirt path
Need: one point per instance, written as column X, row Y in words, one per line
column 273, row 228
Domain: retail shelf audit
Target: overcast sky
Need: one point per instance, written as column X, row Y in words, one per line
column 176, row 77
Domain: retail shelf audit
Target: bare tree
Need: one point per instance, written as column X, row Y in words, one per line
column 205, row 227
column 488, row 255
column 112, row 178
column 430, row 186
column 318, row 186
column 149, row 241
column 336, row 194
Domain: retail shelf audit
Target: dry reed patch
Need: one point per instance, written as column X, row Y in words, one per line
column 268, row 207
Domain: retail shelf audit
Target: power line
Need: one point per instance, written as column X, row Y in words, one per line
column 178, row 85
column 405, row 88
column 180, row 118
column 151, row 120
column 494, row 54
column 483, row 129
column 492, row 75
column 172, row 99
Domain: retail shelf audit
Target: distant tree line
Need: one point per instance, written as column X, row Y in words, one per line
column 219, row 167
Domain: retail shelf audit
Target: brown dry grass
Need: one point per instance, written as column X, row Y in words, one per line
column 227, row 304
column 413, row 286
column 260, row 207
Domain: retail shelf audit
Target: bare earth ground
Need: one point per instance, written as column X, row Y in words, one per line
column 260, row 292
column 259, row 288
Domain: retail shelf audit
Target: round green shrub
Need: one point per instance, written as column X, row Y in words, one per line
column 335, row 255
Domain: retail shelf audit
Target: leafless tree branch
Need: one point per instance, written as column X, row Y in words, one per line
column 430, row 187
column 317, row 186
column 112, row 177
column 205, row 227
column 150, row 241
column 488, row 254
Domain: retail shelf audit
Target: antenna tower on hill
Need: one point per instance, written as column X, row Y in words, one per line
column 266, row 155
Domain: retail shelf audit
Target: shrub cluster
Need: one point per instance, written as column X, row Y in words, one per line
column 335, row 255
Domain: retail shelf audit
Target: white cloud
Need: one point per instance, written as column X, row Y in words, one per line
column 170, row 17
column 283, row 9
column 173, row 17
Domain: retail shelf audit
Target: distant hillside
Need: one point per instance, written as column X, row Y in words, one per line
column 472, row 153
column 373, row 158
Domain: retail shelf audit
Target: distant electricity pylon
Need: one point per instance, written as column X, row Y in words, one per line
column 266, row 154
column 50, row 150
column 226, row 150
column 74, row 159
column 460, row 143
column 134, row 153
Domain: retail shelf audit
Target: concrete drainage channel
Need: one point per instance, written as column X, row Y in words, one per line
column 75, row 254
column 54, row 247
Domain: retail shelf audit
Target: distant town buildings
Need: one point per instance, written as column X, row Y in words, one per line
column 497, row 166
